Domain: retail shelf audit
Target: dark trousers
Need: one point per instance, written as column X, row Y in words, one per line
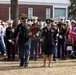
column 24, row 53
column 61, row 48
column 10, row 50
column 34, row 48
column 1, row 51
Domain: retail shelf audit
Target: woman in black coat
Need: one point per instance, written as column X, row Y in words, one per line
column 49, row 40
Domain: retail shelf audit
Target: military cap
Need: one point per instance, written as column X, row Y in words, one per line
column 3, row 23
column 52, row 20
column 56, row 21
column 62, row 18
column 23, row 17
column 35, row 17
column 73, row 21
column 49, row 20
column 68, row 21
column 10, row 21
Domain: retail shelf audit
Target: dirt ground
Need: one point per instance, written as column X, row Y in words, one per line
column 59, row 67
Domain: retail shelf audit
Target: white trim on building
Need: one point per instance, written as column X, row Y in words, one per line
column 54, row 3
column 66, row 7
column 30, row 13
column 48, row 13
column 39, row 2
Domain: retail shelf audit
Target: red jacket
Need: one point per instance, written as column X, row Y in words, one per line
column 72, row 36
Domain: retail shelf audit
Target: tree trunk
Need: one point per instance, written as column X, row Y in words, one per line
column 14, row 12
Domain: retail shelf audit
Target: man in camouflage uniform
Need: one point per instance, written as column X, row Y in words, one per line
column 23, row 33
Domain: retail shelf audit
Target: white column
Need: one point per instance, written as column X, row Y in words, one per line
column 9, row 13
column 66, row 13
column 53, row 12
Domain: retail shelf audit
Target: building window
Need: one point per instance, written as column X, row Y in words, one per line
column 47, row 13
column 30, row 13
column 59, row 12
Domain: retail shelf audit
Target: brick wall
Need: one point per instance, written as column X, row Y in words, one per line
column 38, row 10
column 4, row 12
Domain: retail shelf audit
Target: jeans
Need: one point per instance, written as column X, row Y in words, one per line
column 34, row 50
column 3, row 46
column 61, row 48
column 24, row 54
column 55, row 52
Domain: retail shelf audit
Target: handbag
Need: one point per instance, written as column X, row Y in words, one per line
column 69, row 48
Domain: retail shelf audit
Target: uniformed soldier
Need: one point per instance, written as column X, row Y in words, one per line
column 61, row 38
column 9, row 34
column 35, row 29
column 23, row 33
column 49, row 39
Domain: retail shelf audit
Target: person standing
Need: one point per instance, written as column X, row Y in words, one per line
column 61, row 38
column 57, row 33
column 2, row 43
column 35, row 29
column 48, row 39
column 9, row 34
column 23, row 33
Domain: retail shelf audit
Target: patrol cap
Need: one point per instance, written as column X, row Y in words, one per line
column 49, row 20
column 23, row 17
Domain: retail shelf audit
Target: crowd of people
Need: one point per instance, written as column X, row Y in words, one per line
column 32, row 38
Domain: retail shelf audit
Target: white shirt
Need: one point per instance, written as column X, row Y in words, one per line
column 1, row 31
column 69, row 38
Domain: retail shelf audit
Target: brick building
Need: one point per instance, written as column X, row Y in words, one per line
column 41, row 8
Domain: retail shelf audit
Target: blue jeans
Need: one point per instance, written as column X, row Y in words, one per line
column 55, row 52
column 61, row 48
column 24, row 53
column 3, row 46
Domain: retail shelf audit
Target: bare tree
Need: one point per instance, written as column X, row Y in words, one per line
column 72, row 9
column 14, row 11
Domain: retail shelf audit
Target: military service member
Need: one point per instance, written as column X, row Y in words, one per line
column 49, row 39
column 61, row 38
column 23, row 41
column 35, row 29
column 9, row 34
